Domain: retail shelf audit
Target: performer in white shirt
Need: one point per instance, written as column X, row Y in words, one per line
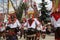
column 13, row 27
column 2, row 29
column 32, row 24
column 43, row 31
column 55, row 20
column 23, row 28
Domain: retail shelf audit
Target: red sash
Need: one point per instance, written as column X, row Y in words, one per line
column 11, row 32
column 30, row 21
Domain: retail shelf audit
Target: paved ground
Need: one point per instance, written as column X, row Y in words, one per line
column 48, row 37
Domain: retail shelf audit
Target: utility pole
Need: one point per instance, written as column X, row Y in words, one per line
column 3, row 10
column 31, row 2
column 3, row 6
column 7, row 7
column 16, row 3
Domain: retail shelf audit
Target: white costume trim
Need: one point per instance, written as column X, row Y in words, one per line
column 54, row 22
column 16, row 24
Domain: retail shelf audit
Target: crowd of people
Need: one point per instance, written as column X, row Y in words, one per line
column 30, row 26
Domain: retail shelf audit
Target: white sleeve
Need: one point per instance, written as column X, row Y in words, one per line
column 37, row 21
column 7, row 24
column 25, row 24
column 41, row 27
column 18, row 23
column 52, row 20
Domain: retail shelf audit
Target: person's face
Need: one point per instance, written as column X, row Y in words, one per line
column 12, row 20
column 31, row 16
column 23, row 21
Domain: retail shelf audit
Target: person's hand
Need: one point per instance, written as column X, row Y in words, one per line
column 22, row 26
column 25, row 28
column 19, row 27
column 19, row 33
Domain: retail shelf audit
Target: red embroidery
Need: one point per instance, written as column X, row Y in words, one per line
column 1, row 24
column 43, row 28
column 30, row 21
column 56, row 15
column 11, row 33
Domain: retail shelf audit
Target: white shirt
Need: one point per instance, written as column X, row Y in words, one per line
column 2, row 29
column 16, row 24
column 33, row 25
column 54, row 22
column 44, row 29
column 40, row 27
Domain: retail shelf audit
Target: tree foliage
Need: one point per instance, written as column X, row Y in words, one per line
column 20, row 10
column 44, row 11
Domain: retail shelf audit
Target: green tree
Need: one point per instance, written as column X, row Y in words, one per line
column 44, row 11
column 19, row 10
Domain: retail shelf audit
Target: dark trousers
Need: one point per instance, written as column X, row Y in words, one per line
column 57, row 33
column 31, row 31
column 12, row 37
